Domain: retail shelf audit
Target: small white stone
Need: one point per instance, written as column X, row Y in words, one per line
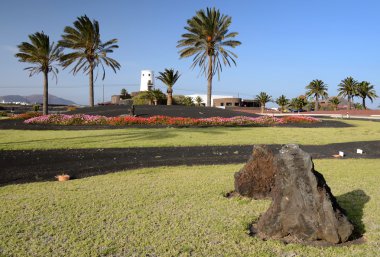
column 341, row 153
column 359, row 151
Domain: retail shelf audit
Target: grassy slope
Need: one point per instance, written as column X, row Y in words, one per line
column 169, row 211
column 16, row 139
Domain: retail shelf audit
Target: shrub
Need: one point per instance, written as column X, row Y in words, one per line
column 3, row 114
column 71, row 108
column 36, row 108
column 183, row 100
column 150, row 97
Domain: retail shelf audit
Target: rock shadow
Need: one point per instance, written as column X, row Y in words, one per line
column 353, row 203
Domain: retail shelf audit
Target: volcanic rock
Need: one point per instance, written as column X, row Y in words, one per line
column 256, row 178
column 303, row 207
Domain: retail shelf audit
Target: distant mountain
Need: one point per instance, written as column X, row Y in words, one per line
column 35, row 99
column 13, row 98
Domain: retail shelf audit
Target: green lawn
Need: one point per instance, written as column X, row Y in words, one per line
column 170, row 211
column 17, row 139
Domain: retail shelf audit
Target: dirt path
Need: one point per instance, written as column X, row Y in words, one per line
column 20, row 166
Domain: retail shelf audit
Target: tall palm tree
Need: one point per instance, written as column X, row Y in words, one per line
column 263, row 98
column 43, row 55
column 317, row 88
column 364, row 90
column 88, row 50
column 169, row 78
column 208, row 38
column 348, row 87
column 282, row 101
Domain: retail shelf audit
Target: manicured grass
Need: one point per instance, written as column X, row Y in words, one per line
column 25, row 139
column 170, row 211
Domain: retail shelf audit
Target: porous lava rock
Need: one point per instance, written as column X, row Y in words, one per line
column 303, row 208
column 256, row 178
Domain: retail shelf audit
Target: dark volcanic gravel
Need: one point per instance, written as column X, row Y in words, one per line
column 152, row 110
column 20, row 166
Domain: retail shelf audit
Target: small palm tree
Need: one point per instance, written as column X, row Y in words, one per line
column 358, row 106
column 348, row 87
column 334, row 101
column 42, row 55
column 169, row 78
column 317, row 88
column 364, row 90
column 88, row 50
column 263, row 98
column 188, row 101
column 298, row 103
column 198, row 100
column 282, row 101
column 208, row 39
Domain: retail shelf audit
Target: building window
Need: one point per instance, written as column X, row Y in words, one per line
column 228, row 104
column 221, row 104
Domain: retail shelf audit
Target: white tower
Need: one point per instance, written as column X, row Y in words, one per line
column 147, row 80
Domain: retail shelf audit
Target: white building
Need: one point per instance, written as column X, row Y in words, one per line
column 204, row 98
column 146, row 80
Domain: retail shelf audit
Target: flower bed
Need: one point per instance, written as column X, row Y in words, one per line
column 82, row 119
column 300, row 119
column 24, row 116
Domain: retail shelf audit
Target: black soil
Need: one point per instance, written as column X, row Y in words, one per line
column 20, row 166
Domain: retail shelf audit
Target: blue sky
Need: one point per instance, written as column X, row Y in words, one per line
column 285, row 44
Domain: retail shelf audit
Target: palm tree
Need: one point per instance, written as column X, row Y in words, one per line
column 348, row 87
column 263, row 98
column 334, row 101
column 198, row 100
column 282, row 101
column 207, row 39
column 364, row 90
column 298, row 103
column 169, row 78
column 88, row 50
column 42, row 55
column 317, row 88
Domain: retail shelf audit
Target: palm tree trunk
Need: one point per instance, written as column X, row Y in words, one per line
column 209, row 78
column 365, row 107
column 262, row 108
column 316, row 104
column 170, row 97
column 91, row 85
column 349, row 103
column 45, row 101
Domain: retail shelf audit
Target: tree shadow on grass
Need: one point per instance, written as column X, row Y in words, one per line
column 353, row 203
column 121, row 135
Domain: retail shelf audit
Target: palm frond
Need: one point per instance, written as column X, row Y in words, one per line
column 83, row 38
column 205, row 36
